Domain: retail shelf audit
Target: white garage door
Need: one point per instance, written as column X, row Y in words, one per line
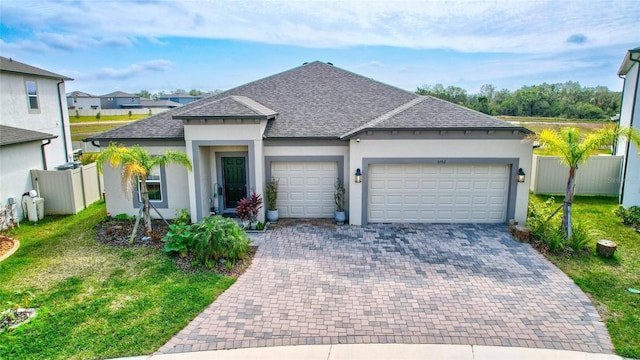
column 305, row 189
column 430, row 193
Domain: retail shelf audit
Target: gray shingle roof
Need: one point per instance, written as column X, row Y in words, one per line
column 158, row 103
column 80, row 94
column 230, row 106
column 7, row 64
column 119, row 94
column 10, row 135
column 316, row 100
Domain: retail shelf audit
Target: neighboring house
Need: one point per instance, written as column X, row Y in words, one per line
column 158, row 104
column 630, row 117
column 120, row 100
column 181, row 98
column 34, row 125
column 423, row 160
column 79, row 100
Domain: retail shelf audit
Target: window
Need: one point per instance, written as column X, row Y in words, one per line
column 32, row 94
column 154, row 186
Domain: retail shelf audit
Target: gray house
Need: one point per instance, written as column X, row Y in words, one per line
column 120, row 100
column 78, row 100
column 181, row 98
column 419, row 159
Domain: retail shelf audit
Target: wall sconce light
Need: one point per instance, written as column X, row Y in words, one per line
column 521, row 175
column 358, row 176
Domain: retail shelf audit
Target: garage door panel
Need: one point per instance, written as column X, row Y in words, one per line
column 437, row 193
column 305, row 188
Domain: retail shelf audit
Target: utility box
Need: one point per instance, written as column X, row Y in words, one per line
column 35, row 209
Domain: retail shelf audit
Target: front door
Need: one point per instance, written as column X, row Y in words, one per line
column 235, row 184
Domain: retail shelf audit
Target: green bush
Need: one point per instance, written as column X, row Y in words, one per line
column 98, row 115
column 89, row 157
column 550, row 231
column 182, row 217
column 629, row 217
column 179, row 239
column 218, row 238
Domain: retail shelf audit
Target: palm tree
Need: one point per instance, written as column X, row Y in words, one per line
column 137, row 164
column 574, row 151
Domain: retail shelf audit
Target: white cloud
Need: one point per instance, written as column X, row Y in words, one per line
column 134, row 69
column 463, row 25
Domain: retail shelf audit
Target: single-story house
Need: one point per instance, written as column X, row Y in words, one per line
column 630, row 117
column 422, row 159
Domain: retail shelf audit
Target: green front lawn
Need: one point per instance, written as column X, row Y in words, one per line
column 607, row 280
column 82, row 119
column 96, row 301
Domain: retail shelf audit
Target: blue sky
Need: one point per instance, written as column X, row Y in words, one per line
column 109, row 45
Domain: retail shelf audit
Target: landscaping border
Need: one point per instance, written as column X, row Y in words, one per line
column 16, row 245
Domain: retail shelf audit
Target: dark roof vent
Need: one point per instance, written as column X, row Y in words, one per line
column 330, row 63
column 305, row 63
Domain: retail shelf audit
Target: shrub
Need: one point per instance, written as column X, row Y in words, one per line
column 248, row 207
column 629, row 217
column 98, row 115
column 550, row 231
column 179, row 239
column 218, row 238
column 77, row 114
column 581, row 236
column 339, row 195
column 182, row 217
column 89, row 158
column 272, row 194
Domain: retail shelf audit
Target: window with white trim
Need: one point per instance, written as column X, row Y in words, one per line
column 32, row 95
column 154, row 186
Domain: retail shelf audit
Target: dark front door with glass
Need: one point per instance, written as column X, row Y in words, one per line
column 235, row 184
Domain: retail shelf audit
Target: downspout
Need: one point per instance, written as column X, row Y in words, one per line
column 64, row 133
column 44, row 154
column 633, row 108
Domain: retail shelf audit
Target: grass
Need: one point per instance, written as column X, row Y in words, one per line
column 96, row 301
column 539, row 123
column 83, row 119
column 81, row 131
column 607, row 280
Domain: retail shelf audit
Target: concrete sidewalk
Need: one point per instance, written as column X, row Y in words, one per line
column 382, row 351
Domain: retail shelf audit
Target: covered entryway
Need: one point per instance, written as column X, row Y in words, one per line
column 438, row 193
column 305, row 188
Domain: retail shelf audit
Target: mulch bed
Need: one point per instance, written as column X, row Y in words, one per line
column 117, row 232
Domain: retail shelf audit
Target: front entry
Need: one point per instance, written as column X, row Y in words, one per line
column 235, row 180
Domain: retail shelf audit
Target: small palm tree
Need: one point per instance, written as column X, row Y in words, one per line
column 574, row 151
column 137, row 164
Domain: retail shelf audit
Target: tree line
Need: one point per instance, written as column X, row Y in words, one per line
column 193, row 92
column 564, row 100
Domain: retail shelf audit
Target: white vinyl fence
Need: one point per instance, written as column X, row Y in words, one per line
column 68, row 191
column 105, row 112
column 600, row 175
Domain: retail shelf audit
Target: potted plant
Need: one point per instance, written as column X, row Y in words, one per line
column 272, row 199
column 339, row 200
column 248, row 208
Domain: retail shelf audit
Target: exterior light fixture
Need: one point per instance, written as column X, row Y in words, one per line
column 521, row 175
column 358, row 176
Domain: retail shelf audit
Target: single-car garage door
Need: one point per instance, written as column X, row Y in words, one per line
column 305, row 189
column 438, row 193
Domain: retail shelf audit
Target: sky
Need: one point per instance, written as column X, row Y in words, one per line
column 111, row 45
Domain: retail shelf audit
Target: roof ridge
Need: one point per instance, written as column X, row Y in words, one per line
column 252, row 104
column 387, row 115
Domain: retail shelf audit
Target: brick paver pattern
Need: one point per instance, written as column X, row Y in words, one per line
column 312, row 282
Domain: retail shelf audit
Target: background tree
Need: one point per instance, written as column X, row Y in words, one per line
column 566, row 100
column 574, row 151
column 144, row 94
column 137, row 164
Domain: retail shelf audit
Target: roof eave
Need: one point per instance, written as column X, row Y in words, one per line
column 233, row 117
column 52, row 76
column 488, row 128
column 629, row 60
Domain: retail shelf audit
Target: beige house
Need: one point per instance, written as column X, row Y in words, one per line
column 422, row 160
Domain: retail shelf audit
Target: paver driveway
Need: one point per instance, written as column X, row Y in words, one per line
column 312, row 282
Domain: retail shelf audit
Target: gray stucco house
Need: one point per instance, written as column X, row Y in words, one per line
column 422, row 159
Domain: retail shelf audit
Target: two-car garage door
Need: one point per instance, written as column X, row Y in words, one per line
column 305, row 189
column 438, row 193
